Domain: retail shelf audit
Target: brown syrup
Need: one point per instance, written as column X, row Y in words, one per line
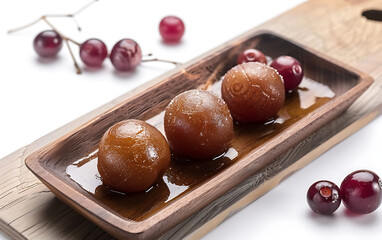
column 183, row 176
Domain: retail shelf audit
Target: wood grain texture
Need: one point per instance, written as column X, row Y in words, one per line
column 257, row 147
column 334, row 27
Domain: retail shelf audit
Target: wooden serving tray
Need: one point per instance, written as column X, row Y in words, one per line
column 328, row 88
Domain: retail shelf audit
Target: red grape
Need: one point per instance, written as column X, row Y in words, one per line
column 324, row 197
column 291, row 70
column 361, row 191
column 251, row 55
column 47, row 43
column 126, row 55
column 93, row 52
column 171, row 29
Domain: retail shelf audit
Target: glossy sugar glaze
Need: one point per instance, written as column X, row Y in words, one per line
column 184, row 176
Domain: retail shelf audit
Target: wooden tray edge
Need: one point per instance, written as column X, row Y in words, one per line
column 364, row 83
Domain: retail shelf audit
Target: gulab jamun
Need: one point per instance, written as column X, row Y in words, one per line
column 198, row 125
column 253, row 92
column 132, row 156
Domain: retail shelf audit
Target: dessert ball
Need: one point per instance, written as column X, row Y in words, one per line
column 253, row 92
column 132, row 156
column 198, row 125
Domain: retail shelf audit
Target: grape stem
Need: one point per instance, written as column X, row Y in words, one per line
column 84, row 7
column 58, row 32
column 78, row 69
column 25, row 26
column 45, row 17
column 65, row 38
column 161, row 60
column 70, row 15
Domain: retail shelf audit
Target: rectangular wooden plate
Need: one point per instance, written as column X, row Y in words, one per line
column 328, row 88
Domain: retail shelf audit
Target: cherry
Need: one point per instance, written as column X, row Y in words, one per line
column 362, row 191
column 126, row 55
column 291, row 70
column 47, row 43
column 171, row 29
column 93, row 52
column 251, row 55
column 324, row 197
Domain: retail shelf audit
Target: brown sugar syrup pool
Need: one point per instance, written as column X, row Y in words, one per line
column 183, row 176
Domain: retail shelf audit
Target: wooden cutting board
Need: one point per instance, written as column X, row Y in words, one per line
column 28, row 210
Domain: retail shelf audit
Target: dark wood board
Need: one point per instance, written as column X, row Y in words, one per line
column 28, row 210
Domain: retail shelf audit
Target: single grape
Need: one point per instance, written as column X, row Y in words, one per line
column 291, row 70
column 171, row 29
column 251, row 55
column 93, row 52
column 126, row 55
column 324, row 197
column 47, row 43
column 362, row 191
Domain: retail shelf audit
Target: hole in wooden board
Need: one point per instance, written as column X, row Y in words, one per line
column 373, row 14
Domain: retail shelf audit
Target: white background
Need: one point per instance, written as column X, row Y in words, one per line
column 38, row 96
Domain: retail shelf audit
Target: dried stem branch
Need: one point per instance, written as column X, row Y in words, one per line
column 70, row 15
column 65, row 38
column 25, row 26
column 45, row 17
column 59, row 33
column 161, row 60
column 78, row 69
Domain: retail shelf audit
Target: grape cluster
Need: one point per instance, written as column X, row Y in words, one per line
column 125, row 55
column 361, row 192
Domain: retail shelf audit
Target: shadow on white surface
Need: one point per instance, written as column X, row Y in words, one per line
column 47, row 61
column 283, row 213
column 123, row 75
